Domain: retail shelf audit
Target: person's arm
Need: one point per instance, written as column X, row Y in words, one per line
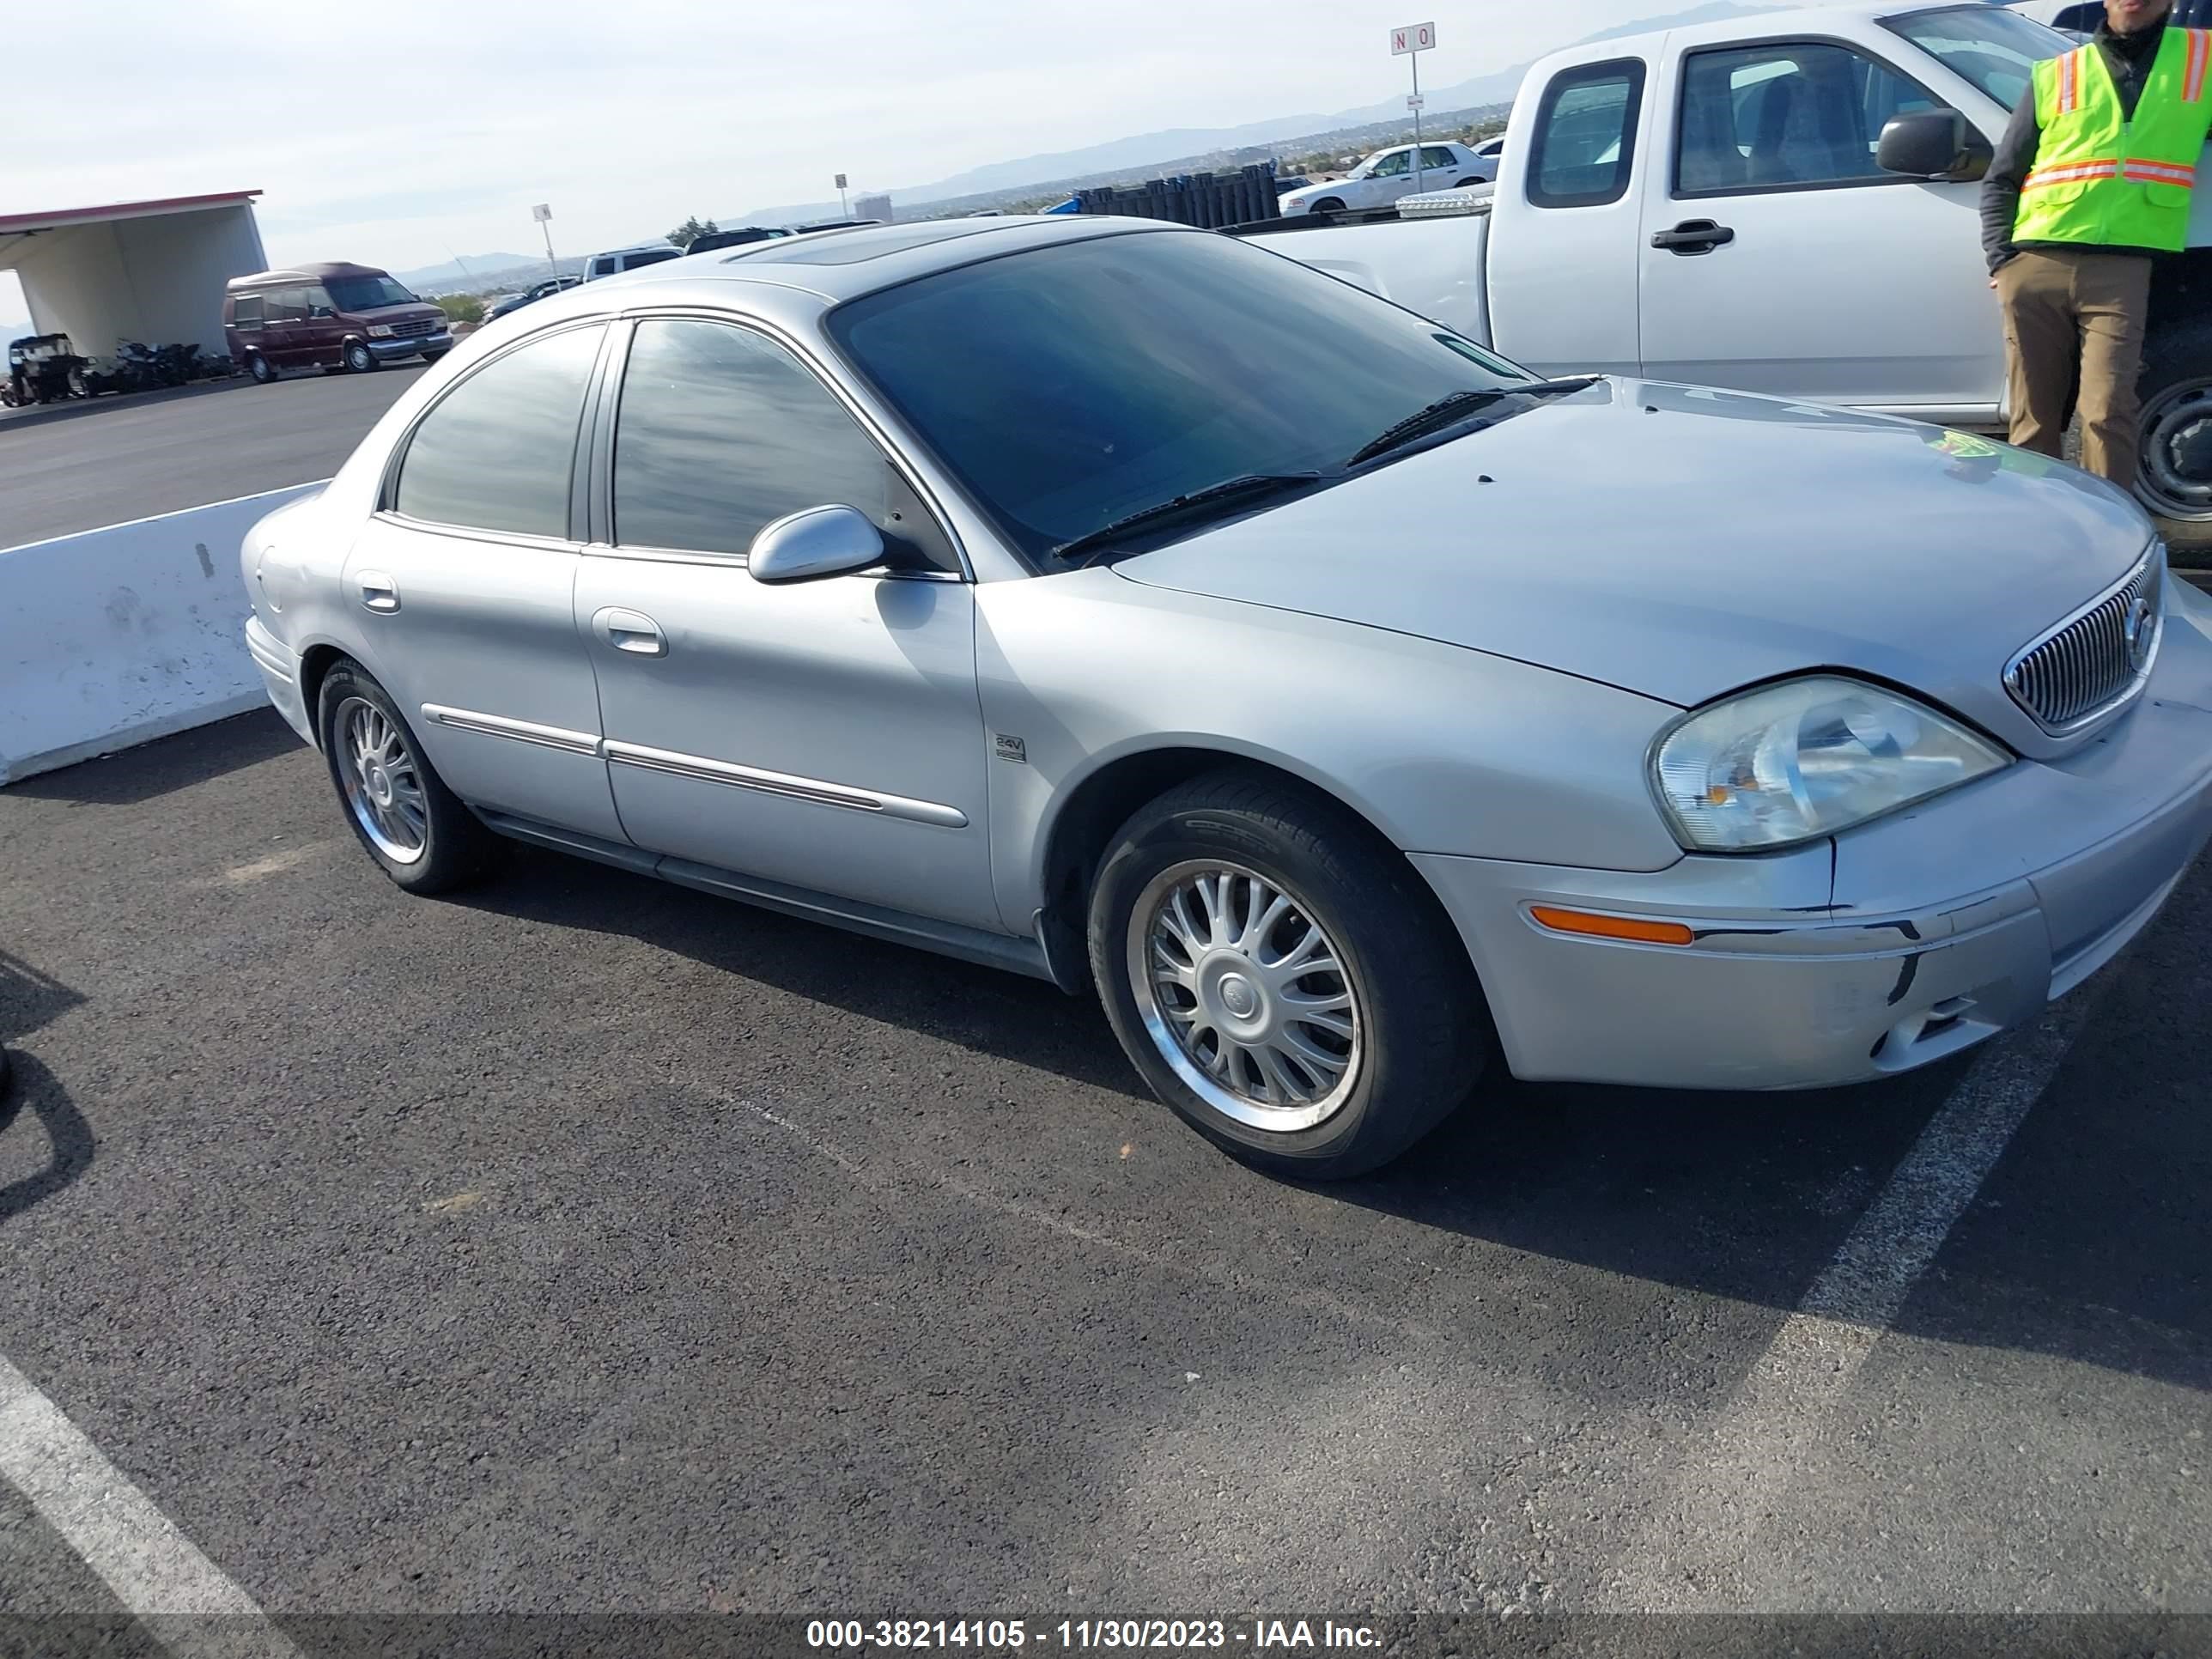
column 2014, row 160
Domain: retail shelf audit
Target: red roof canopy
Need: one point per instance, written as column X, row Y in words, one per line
column 14, row 222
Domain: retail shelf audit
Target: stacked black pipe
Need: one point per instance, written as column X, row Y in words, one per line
column 1207, row 200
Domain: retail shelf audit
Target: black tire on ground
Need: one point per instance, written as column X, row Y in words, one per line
column 1464, row 183
column 2176, row 389
column 1425, row 1032
column 262, row 371
column 454, row 848
column 359, row 359
column 433, row 357
column 334, row 368
column 1326, row 204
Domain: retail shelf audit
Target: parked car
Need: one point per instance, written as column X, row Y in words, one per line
column 1785, row 203
column 1388, row 174
column 334, row 315
column 615, row 261
column 1123, row 604
column 535, row 291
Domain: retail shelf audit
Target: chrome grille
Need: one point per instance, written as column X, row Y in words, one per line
column 423, row 326
column 2097, row 658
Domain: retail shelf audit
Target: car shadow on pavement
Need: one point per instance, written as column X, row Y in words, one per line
column 169, row 764
column 31, row 1099
column 1737, row 1196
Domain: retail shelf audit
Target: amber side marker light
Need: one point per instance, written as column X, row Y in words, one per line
column 1581, row 922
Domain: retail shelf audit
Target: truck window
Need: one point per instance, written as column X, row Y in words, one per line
column 1995, row 49
column 1795, row 115
column 1586, row 134
column 1397, row 161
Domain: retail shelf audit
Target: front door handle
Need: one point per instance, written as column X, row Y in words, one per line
column 632, row 631
column 378, row 591
column 1694, row 236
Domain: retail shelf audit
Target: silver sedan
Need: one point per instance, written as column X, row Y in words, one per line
column 1130, row 607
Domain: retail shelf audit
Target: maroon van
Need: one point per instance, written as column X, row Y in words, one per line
column 329, row 316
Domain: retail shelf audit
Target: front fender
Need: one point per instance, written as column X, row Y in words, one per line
column 1442, row 749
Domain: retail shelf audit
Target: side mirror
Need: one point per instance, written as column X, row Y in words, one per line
column 821, row 541
column 1935, row 144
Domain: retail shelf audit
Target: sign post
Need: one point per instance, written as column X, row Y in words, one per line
column 1411, row 42
column 843, row 211
column 543, row 213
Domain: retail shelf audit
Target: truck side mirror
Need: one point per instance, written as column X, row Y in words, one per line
column 1935, row 144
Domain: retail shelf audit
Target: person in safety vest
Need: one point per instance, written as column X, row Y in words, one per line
column 2092, row 180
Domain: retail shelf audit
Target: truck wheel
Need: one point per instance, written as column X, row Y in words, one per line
column 262, row 371
column 1326, row 204
column 2176, row 482
column 359, row 358
column 1282, row 978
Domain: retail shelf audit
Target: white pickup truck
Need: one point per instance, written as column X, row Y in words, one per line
column 1784, row 202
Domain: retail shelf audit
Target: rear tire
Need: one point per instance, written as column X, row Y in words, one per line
column 359, row 359
column 408, row 821
column 1321, row 1074
column 2176, row 481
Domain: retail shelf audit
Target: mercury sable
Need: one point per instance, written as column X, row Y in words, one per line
column 1131, row 607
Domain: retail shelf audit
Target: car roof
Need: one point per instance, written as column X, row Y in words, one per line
column 320, row 271
column 1750, row 25
column 837, row 265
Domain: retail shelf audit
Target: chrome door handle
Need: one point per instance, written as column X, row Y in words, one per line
column 378, row 591
column 632, row 631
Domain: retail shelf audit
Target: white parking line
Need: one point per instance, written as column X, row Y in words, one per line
column 180, row 1596
column 1700, row 1550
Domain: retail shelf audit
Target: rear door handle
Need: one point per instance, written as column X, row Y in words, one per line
column 1694, row 236
column 632, row 631
column 378, row 591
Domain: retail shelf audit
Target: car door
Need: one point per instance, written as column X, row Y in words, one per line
column 284, row 315
column 1561, row 260
column 823, row 735
column 1443, row 166
column 462, row 587
column 321, row 337
column 1778, row 258
column 1391, row 177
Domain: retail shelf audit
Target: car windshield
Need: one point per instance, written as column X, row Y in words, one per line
column 1995, row 48
column 1069, row 387
column 367, row 293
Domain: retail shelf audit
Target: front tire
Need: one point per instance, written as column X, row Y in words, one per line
column 262, row 371
column 410, row 823
column 1327, row 205
column 1282, row 978
column 2176, row 480
column 359, row 359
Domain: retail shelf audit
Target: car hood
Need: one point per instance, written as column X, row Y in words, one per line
column 411, row 312
column 1680, row 542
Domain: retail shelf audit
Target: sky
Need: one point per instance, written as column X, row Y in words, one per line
column 403, row 132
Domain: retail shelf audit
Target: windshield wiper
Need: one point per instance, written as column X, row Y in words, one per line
column 1251, row 485
column 1450, row 410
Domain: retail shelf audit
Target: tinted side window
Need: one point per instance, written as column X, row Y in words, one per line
column 495, row 452
column 1776, row 117
column 603, row 266
column 287, row 304
column 246, row 312
column 1435, row 156
column 1586, row 134
column 656, row 256
column 721, row 430
column 318, row 301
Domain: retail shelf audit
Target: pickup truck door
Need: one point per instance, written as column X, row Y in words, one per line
column 1778, row 258
column 1561, row 260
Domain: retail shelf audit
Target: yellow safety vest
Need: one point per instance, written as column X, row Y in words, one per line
column 2101, row 178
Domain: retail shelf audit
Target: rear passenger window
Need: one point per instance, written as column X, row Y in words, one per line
column 721, row 430
column 496, row 452
column 1585, row 136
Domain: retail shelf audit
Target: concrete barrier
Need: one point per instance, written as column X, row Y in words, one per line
column 117, row 636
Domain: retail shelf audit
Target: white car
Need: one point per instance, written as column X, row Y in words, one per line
column 615, row 261
column 1388, row 174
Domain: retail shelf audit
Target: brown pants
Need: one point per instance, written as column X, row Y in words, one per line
column 2074, row 335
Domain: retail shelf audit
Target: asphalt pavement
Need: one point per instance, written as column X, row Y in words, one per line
column 82, row 465
column 581, row 1245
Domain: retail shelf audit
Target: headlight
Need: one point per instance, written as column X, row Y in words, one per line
column 1806, row 758
column 380, row 330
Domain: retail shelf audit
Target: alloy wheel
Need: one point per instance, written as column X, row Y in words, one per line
column 1245, row 995
column 382, row 781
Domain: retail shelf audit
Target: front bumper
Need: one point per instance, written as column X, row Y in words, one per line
column 410, row 345
column 1890, row 946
